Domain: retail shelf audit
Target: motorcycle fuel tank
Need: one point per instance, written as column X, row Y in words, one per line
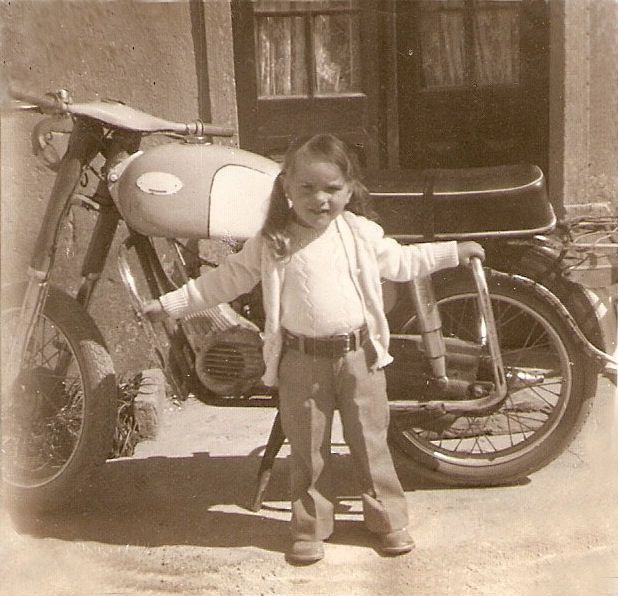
column 194, row 190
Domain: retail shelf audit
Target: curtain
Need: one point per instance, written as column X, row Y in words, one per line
column 495, row 43
column 496, row 46
column 281, row 61
column 337, row 50
column 443, row 48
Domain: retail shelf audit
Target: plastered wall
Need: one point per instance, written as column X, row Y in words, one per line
column 583, row 104
column 139, row 52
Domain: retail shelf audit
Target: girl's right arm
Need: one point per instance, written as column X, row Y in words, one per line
column 402, row 263
column 237, row 275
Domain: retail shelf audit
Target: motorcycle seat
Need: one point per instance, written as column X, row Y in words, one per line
column 458, row 204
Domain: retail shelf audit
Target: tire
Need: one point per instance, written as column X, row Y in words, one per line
column 543, row 411
column 59, row 416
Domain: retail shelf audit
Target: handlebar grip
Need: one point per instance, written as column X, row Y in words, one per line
column 46, row 103
column 202, row 129
column 220, row 131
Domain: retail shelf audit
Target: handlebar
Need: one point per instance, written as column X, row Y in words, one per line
column 116, row 114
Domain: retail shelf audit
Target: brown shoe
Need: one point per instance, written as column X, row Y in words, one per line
column 396, row 543
column 305, row 552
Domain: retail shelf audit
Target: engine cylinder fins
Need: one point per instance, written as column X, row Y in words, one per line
column 230, row 362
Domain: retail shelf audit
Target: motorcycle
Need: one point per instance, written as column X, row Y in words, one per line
column 495, row 368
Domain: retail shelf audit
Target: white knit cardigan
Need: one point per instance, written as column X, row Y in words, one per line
column 376, row 257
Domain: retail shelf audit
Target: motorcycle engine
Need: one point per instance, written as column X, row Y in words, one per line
column 230, row 362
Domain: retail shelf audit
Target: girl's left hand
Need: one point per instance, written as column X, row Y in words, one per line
column 467, row 250
column 153, row 310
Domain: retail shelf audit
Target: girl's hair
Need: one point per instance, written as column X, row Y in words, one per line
column 327, row 148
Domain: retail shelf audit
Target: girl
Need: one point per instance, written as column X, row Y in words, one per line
column 326, row 336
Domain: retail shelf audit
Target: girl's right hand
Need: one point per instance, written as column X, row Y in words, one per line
column 467, row 250
column 153, row 310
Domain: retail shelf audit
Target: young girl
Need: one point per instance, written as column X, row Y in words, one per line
column 326, row 336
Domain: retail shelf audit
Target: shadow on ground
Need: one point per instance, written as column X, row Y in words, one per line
column 178, row 500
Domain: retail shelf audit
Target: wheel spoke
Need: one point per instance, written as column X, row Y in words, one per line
column 536, row 390
column 503, row 321
column 510, row 431
column 526, row 342
column 43, row 343
column 476, row 443
column 490, row 442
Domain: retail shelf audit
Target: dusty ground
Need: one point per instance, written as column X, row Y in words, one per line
column 173, row 519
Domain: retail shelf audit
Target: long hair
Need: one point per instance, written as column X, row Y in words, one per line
column 327, row 148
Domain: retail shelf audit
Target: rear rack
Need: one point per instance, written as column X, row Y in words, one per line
column 590, row 251
column 600, row 233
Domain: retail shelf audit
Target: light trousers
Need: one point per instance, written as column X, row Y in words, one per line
column 310, row 389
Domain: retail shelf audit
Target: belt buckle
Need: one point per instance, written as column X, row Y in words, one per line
column 343, row 343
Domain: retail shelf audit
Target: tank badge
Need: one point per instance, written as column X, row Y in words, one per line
column 159, row 183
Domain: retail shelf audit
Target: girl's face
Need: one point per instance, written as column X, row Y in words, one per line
column 318, row 191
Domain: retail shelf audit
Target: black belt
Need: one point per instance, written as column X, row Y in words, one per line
column 330, row 346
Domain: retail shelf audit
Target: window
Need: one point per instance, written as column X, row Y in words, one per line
column 307, row 48
column 467, row 43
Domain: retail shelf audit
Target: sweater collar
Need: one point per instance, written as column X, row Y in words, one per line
column 302, row 235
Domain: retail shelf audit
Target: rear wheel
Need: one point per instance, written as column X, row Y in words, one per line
column 549, row 390
column 59, row 415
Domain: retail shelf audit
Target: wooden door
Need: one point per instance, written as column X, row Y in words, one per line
column 304, row 67
column 472, row 82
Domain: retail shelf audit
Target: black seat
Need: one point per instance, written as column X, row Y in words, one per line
column 417, row 205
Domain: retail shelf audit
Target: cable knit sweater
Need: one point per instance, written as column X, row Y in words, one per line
column 364, row 242
column 320, row 295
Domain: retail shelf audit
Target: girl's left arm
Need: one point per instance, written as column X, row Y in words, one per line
column 399, row 262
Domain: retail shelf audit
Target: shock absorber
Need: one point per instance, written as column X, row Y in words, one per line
column 430, row 324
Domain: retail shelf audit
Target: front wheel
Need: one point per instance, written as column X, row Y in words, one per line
column 58, row 416
column 550, row 386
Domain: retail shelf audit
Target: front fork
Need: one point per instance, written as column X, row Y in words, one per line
column 83, row 147
column 85, row 142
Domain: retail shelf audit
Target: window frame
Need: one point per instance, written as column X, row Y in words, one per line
column 307, row 11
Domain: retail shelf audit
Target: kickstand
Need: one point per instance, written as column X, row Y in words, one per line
column 275, row 440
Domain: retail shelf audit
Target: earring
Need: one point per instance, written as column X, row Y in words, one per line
column 289, row 201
